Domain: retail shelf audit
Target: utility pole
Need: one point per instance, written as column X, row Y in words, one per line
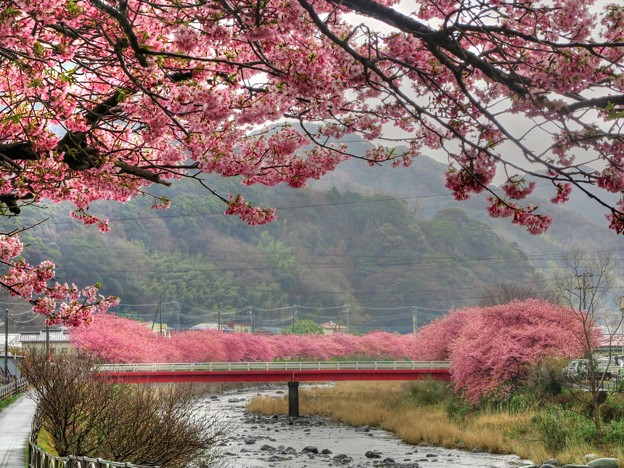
column 6, row 343
column 159, row 315
column 414, row 319
column 294, row 313
column 583, row 288
column 347, row 318
column 160, row 330
column 621, row 307
column 47, row 348
column 253, row 325
column 218, row 316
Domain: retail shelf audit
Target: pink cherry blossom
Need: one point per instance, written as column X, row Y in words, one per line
column 491, row 349
column 101, row 99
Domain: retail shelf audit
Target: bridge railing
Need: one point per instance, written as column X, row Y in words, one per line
column 272, row 366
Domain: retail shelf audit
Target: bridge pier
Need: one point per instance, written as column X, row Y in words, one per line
column 293, row 399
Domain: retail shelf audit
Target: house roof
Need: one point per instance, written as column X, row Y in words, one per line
column 56, row 336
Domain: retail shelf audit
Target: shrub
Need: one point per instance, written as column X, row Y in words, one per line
column 560, row 429
column 613, row 408
column 428, row 392
column 140, row 424
column 614, row 432
column 456, row 408
column 520, row 402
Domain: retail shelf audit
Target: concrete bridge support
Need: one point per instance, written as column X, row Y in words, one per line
column 293, row 399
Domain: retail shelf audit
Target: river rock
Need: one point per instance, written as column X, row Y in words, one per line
column 362, row 429
column 326, row 452
column 310, row 449
column 342, row 459
column 552, row 461
column 604, row 463
column 267, row 448
column 372, row 454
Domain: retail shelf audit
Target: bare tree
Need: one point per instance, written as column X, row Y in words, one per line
column 503, row 293
column 584, row 286
column 147, row 425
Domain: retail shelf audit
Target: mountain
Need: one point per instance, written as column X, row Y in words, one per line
column 577, row 223
column 368, row 247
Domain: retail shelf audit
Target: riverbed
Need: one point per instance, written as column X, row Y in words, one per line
column 257, row 441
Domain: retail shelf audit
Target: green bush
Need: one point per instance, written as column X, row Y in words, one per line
column 560, row 429
column 456, row 408
column 612, row 409
column 520, row 403
column 614, row 432
column 429, row 392
column 545, row 378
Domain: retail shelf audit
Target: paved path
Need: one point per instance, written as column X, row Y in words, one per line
column 14, row 431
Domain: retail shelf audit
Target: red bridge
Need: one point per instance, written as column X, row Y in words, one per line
column 275, row 371
column 291, row 372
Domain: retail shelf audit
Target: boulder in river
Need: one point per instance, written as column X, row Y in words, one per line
column 342, row 459
column 372, row 454
column 604, row 463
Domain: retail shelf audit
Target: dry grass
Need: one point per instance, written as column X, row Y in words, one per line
column 386, row 405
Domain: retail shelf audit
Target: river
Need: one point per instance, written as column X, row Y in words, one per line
column 257, row 441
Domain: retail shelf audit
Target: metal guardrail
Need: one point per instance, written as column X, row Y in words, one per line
column 17, row 386
column 271, row 366
column 42, row 459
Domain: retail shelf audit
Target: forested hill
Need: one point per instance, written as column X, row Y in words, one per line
column 329, row 250
column 581, row 222
column 376, row 248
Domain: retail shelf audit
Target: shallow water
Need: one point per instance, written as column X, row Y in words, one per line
column 279, row 441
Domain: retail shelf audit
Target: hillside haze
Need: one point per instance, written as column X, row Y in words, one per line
column 365, row 247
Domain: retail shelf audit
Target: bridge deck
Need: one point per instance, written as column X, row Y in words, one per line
column 275, row 371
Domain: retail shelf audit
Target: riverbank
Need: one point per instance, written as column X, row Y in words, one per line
column 424, row 413
column 278, row 441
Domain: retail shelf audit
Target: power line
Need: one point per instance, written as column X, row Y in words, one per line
column 280, row 208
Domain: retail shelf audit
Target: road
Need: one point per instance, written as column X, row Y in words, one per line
column 15, row 423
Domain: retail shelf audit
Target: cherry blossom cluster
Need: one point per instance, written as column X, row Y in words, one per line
column 492, row 349
column 103, row 98
column 61, row 303
column 121, row 340
column 252, row 214
column 524, row 216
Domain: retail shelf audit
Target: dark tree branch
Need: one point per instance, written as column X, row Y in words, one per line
column 436, row 40
column 141, row 172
